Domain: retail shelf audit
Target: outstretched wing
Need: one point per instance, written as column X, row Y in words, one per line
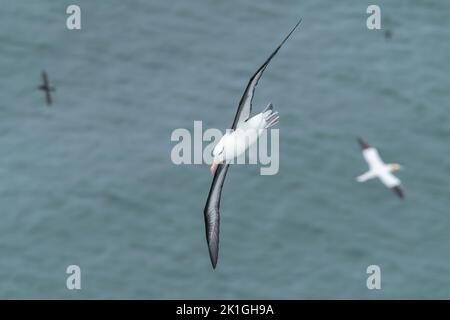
column 48, row 97
column 44, row 78
column 372, row 157
column 392, row 182
column 245, row 105
column 370, row 154
column 211, row 212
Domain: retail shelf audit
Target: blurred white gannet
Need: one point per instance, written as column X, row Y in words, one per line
column 378, row 169
column 232, row 145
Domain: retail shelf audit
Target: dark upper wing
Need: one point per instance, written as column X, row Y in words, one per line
column 211, row 211
column 363, row 144
column 44, row 78
column 245, row 105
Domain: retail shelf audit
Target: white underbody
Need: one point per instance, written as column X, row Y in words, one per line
column 233, row 144
column 378, row 169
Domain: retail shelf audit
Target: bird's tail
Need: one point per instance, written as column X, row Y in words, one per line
column 270, row 117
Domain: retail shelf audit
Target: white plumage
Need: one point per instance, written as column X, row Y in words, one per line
column 379, row 169
column 234, row 143
column 245, row 131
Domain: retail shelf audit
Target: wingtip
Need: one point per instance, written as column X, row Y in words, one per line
column 295, row 27
column 214, row 256
column 289, row 34
column 362, row 143
column 298, row 23
column 213, row 245
column 399, row 192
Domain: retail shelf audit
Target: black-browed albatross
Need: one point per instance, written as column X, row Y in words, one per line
column 231, row 146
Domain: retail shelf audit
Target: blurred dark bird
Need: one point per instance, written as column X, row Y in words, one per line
column 388, row 34
column 46, row 88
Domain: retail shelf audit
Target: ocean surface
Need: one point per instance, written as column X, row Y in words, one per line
column 90, row 181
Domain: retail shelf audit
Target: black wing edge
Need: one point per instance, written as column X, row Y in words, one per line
column 364, row 145
column 260, row 69
column 212, row 214
column 398, row 191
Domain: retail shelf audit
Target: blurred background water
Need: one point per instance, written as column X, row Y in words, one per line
column 90, row 182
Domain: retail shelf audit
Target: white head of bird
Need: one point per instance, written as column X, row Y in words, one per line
column 219, row 154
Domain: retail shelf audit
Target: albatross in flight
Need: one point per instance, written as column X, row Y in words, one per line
column 46, row 88
column 244, row 132
column 378, row 169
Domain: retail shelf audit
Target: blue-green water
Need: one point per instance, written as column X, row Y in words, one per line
column 90, row 180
